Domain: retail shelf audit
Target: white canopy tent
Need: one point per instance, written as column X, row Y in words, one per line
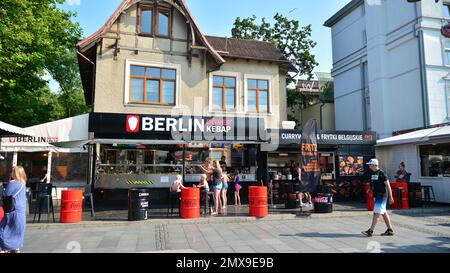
column 8, row 130
column 423, row 152
column 69, row 130
column 422, row 136
column 40, row 138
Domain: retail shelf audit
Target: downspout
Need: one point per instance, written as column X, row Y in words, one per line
column 423, row 75
column 321, row 115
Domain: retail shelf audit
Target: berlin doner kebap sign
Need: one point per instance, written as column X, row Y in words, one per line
column 181, row 128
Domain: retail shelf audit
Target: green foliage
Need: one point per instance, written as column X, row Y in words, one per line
column 287, row 35
column 327, row 92
column 39, row 106
column 36, row 36
column 64, row 70
column 292, row 40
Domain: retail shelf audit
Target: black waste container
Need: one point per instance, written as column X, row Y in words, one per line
column 415, row 195
column 323, row 203
column 138, row 204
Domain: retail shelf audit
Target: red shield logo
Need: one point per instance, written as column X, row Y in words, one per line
column 133, row 123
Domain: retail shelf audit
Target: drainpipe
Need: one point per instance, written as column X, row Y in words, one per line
column 321, row 115
column 423, row 74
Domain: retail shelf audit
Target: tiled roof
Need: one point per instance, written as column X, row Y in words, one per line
column 246, row 49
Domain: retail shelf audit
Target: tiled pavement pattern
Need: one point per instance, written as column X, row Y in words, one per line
column 415, row 233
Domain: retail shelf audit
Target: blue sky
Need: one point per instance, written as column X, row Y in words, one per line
column 216, row 17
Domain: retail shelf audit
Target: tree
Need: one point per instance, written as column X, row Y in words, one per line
column 287, row 35
column 35, row 36
column 64, row 70
column 291, row 39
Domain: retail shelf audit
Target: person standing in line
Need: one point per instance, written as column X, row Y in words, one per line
column 225, row 180
column 237, row 189
column 217, row 186
column 382, row 193
column 207, row 168
column 12, row 226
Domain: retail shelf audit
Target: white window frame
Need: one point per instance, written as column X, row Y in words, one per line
column 238, row 101
column 129, row 63
column 271, row 93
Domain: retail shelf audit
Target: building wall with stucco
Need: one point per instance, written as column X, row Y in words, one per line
column 193, row 78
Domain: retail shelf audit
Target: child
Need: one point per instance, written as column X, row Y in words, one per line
column 237, row 188
column 204, row 188
column 177, row 185
column 225, row 181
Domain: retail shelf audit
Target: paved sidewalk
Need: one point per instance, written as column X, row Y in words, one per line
column 336, row 234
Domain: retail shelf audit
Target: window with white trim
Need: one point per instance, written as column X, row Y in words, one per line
column 258, row 96
column 152, row 85
column 224, row 93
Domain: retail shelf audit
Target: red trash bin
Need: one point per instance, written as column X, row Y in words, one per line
column 190, row 203
column 369, row 197
column 258, row 202
column 2, row 213
column 71, row 206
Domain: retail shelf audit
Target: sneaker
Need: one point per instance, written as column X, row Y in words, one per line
column 368, row 233
column 388, row 232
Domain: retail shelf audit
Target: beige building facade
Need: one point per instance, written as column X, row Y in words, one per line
column 108, row 56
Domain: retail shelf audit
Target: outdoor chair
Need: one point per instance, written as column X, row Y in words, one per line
column 88, row 196
column 44, row 196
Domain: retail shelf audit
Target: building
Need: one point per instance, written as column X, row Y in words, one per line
column 319, row 102
column 165, row 97
column 385, row 52
column 391, row 71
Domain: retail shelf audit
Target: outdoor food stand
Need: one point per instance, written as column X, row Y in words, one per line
column 149, row 151
column 342, row 158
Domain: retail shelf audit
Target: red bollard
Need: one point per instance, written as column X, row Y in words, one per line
column 369, row 197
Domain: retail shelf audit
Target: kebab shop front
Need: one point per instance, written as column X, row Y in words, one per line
column 149, row 151
column 342, row 158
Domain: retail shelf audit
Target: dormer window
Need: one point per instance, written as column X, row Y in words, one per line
column 163, row 22
column 154, row 21
column 146, row 23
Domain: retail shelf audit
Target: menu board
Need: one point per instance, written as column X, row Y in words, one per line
column 351, row 165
